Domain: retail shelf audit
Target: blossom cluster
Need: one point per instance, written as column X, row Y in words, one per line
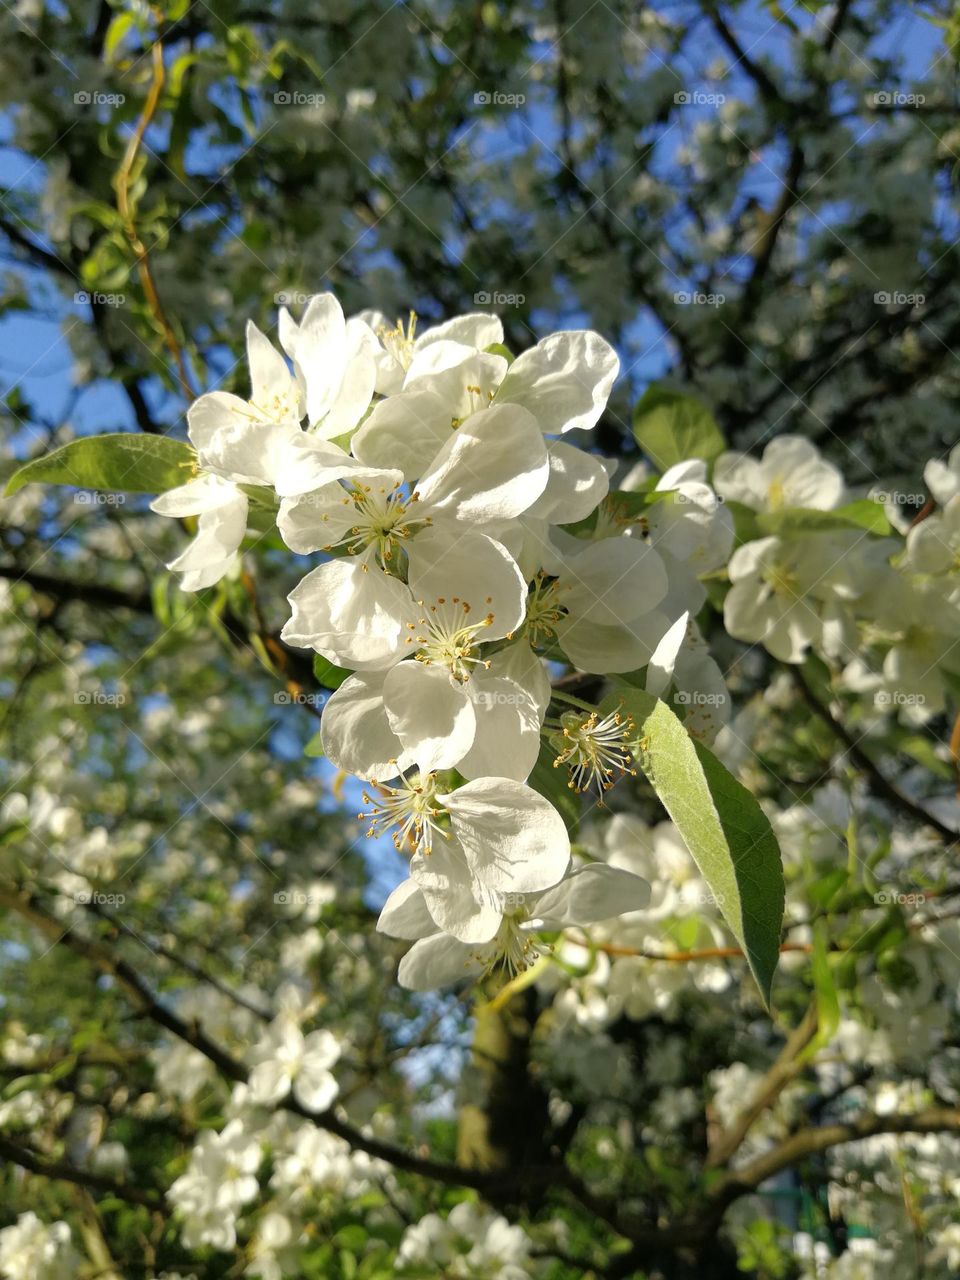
column 467, row 545
column 885, row 611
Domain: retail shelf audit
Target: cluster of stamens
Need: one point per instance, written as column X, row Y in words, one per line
column 399, row 340
column 513, row 950
column 384, row 520
column 447, row 636
column 406, row 812
column 481, row 400
column 595, row 750
column 544, row 610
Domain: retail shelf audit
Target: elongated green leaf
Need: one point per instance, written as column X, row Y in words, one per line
column 721, row 823
column 862, row 514
column 671, row 427
column 127, row 463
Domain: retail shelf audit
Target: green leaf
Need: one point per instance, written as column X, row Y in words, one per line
column 327, row 675
column 671, row 427
column 724, row 828
column 126, row 462
column 862, row 514
column 314, row 747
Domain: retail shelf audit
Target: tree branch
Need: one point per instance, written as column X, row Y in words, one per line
column 774, row 1082
column 808, row 1142
column 60, row 1170
column 860, row 757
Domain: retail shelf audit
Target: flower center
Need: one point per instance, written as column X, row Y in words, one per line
column 513, row 950
column 399, row 340
column 783, row 581
column 409, row 808
column 595, row 751
column 280, row 408
column 384, row 520
column 447, row 635
column 544, row 610
column 476, row 399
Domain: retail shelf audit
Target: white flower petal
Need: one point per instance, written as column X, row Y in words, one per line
column 589, row 894
column 356, row 733
column 404, row 431
column 322, row 1049
column 514, row 840
column 269, row 1082
column 436, row 962
column 602, row 650
column 578, row 483
column 204, row 493
column 317, row 346
column 491, row 468
column 476, row 329
column 446, row 563
column 430, row 713
column 565, row 380
column 220, row 531
column 664, row 657
column 506, row 740
column 314, row 1087
column 351, row 612
column 405, row 913
column 454, row 899
column 306, row 462
column 233, row 443
column 270, row 379
column 613, row 581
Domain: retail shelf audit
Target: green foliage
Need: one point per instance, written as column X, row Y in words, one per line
column 118, row 463
column 726, row 831
column 863, row 514
column 671, row 427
